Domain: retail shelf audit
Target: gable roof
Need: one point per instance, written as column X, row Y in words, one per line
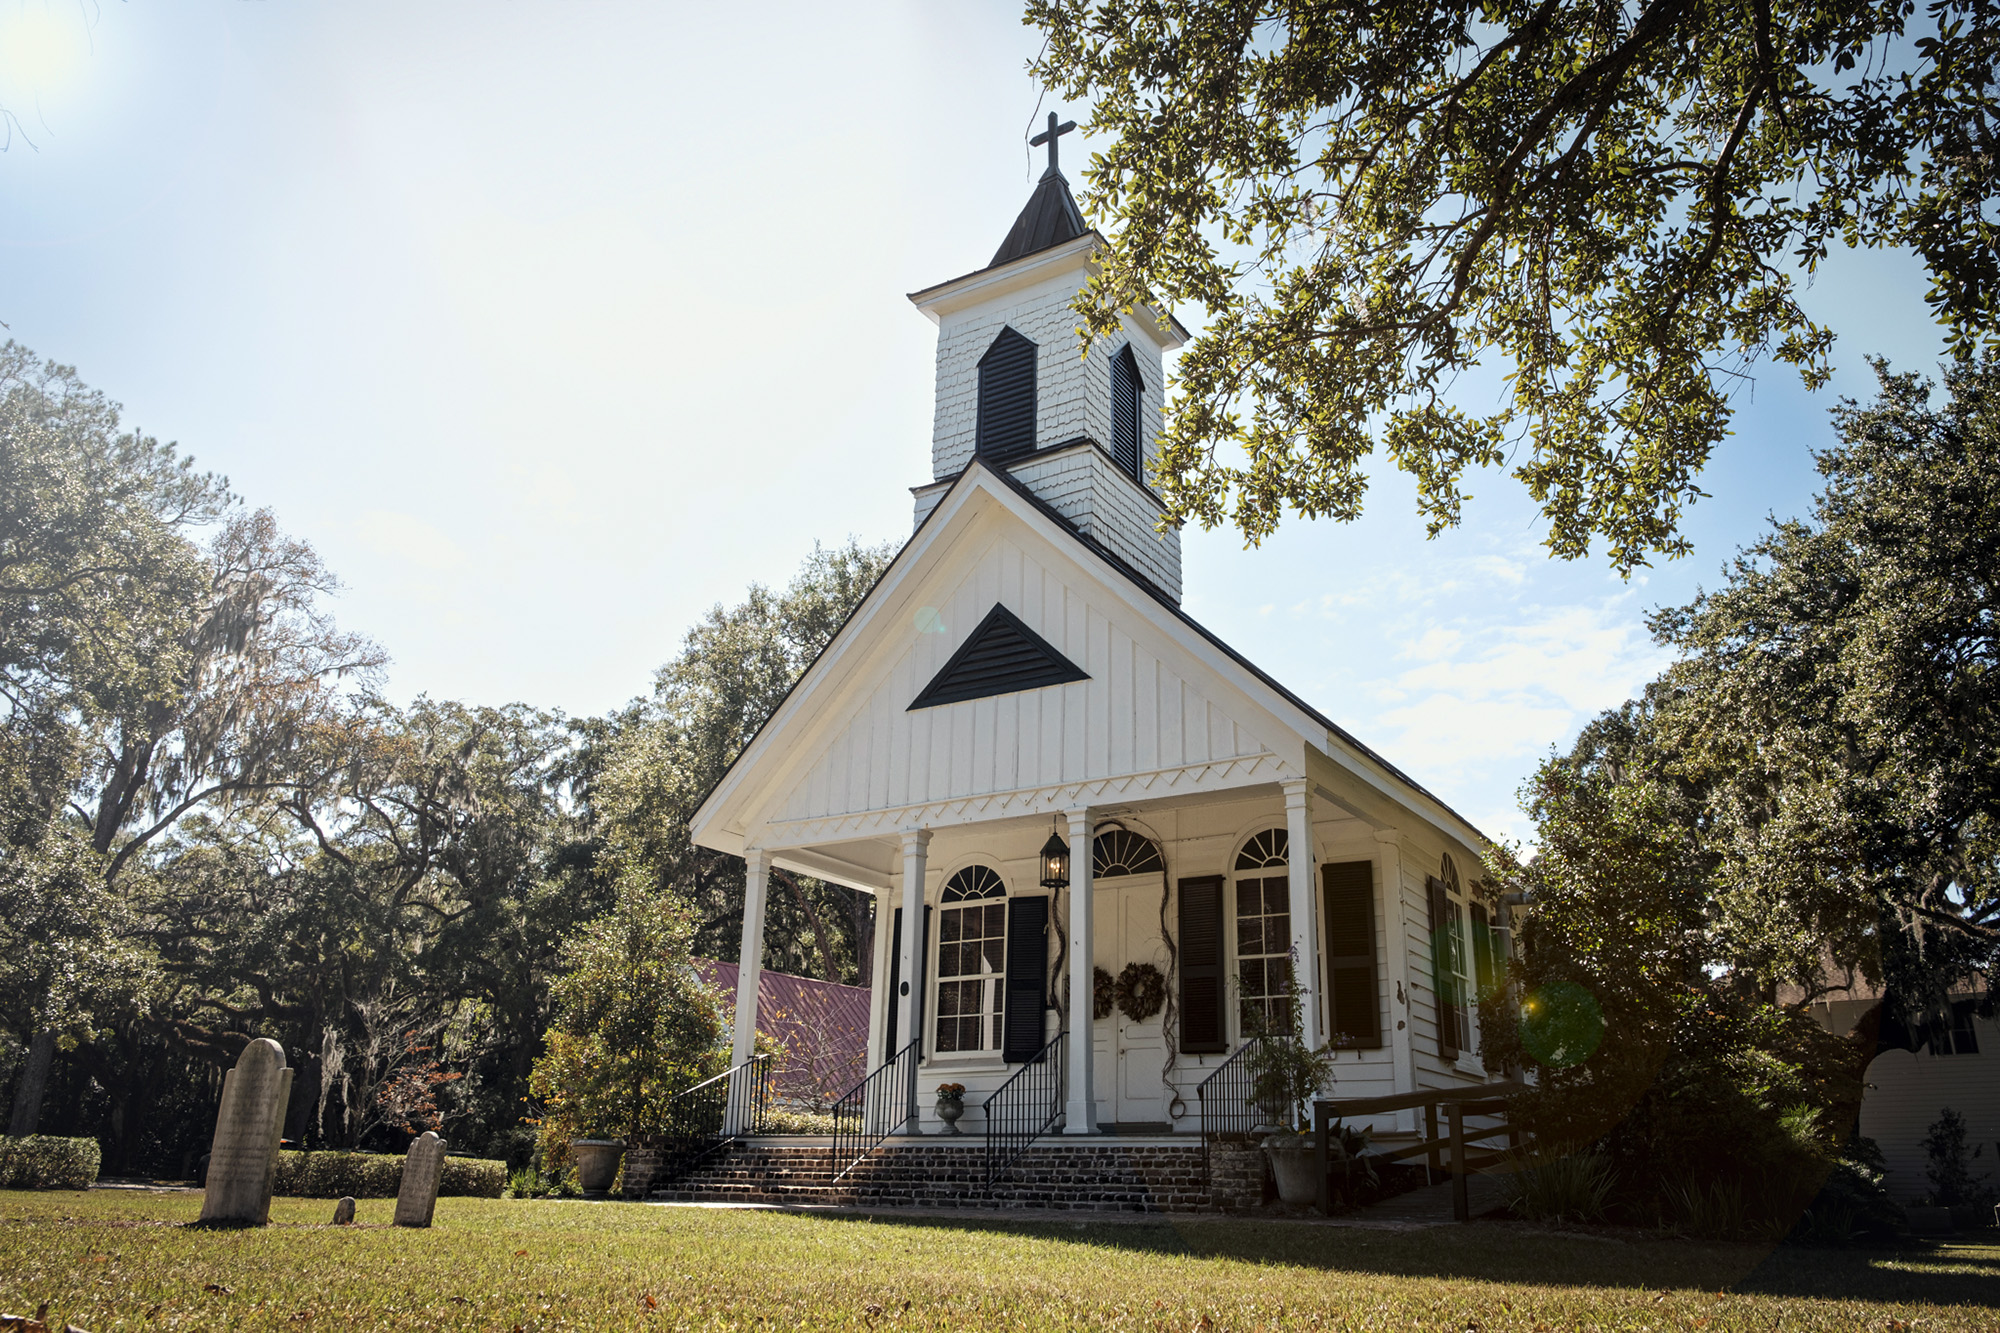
column 1050, row 218
column 1127, row 575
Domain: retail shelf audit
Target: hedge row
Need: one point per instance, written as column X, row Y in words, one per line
column 364, row 1175
column 40, row 1162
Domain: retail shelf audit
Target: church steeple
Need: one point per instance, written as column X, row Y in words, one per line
column 1051, row 216
column 1015, row 390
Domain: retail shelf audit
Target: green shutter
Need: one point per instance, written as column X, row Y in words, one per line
column 1352, row 987
column 1442, row 986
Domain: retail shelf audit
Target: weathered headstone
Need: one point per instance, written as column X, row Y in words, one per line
column 243, row 1156
column 343, row 1212
column 417, row 1198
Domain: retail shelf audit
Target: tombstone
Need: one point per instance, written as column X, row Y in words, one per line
column 343, row 1212
column 417, row 1197
column 243, row 1156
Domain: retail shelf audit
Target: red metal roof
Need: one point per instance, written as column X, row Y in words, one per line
column 822, row 1025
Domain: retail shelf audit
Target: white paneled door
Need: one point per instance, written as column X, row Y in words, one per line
column 1129, row 1054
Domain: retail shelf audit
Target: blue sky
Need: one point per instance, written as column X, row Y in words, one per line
column 552, row 325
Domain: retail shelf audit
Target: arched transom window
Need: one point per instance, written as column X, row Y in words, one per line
column 1120, row 851
column 972, row 960
column 1263, row 930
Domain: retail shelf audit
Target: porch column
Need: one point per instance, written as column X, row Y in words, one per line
column 1396, row 961
column 1081, row 1110
column 910, row 994
column 750, row 962
column 1302, row 876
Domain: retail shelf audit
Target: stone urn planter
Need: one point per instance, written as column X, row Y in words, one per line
column 951, row 1105
column 1292, row 1165
column 596, row 1163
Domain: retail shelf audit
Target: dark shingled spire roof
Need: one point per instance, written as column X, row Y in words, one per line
column 1050, row 218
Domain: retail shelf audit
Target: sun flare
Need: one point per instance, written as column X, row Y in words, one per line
column 41, row 50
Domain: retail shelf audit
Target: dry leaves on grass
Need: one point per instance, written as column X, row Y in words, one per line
column 34, row 1323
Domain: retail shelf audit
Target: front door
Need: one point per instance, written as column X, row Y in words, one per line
column 1129, row 1055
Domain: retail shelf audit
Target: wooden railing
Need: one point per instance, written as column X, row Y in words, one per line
column 1485, row 1099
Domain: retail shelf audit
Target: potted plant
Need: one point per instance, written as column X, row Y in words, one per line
column 596, row 1163
column 1287, row 1073
column 951, row 1105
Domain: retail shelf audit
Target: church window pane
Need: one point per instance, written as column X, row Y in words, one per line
column 1006, row 429
column 972, row 961
column 1263, row 931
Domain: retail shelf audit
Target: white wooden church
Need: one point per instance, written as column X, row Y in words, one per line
column 1024, row 669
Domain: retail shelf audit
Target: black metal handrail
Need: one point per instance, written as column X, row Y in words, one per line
column 874, row 1108
column 1024, row 1108
column 1227, row 1099
column 700, row 1121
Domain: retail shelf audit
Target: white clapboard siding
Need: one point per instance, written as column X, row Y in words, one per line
column 1144, row 709
column 1907, row 1091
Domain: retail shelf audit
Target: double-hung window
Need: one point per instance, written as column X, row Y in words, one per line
column 1263, row 931
column 972, row 961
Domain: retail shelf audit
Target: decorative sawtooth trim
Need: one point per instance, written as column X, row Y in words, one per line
column 1214, row 775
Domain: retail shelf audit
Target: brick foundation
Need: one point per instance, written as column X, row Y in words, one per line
column 1086, row 1177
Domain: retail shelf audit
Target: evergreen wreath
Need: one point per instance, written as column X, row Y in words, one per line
column 1102, row 993
column 1142, row 991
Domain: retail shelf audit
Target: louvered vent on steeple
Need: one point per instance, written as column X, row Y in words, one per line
column 1007, row 399
column 1125, row 387
column 1002, row 656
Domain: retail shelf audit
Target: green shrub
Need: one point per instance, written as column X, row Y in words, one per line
column 42, row 1162
column 786, row 1120
column 472, row 1177
column 1546, row 1186
column 362, row 1175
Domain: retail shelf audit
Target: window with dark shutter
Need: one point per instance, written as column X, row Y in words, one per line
column 1483, row 958
column 1027, row 976
column 1126, row 386
column 1202, row 1029
column 1443, row 981
column 1006, row 429
column 1352, row 991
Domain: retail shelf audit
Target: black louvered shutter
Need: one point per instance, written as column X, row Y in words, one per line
column 1350, row 952
column 1027, row 977
column 1001, row 656
column 889, row 1046
column 1203, row 1031
column 1441, row 980
column 1006, row 429
column 1125, row 385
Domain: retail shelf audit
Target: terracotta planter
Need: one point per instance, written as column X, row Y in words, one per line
column 596, row 1162
column 1293, row 1168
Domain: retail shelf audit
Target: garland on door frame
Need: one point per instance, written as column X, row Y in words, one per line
column 1102, row 993
column 1141, row 991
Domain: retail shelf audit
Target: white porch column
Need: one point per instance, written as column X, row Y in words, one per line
column 750, row 962
column 910, row 993
column 1081, row 1111
column 1396, row 967
column 1302, row 876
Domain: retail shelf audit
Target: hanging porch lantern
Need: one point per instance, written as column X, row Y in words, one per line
column 1055, row 861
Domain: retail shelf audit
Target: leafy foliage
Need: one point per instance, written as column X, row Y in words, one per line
column 44, row 1162
column 633, row 1024
column 1616, row 203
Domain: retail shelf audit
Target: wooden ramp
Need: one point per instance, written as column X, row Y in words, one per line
column 1433, row 1204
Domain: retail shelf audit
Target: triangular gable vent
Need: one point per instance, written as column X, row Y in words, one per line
column 1002, row 656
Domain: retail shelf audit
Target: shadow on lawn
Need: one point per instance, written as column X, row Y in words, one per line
column 1519, row 1255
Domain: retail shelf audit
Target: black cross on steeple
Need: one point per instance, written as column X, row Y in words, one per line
column 1049, row 137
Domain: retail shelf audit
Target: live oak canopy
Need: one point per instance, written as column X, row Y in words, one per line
column 1615, row 203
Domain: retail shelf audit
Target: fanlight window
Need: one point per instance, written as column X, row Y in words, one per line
column 972, row 961
column 1119, row 851
column 1263, row 931
column 1272, row 847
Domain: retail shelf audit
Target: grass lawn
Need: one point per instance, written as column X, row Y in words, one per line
column 107, row 1260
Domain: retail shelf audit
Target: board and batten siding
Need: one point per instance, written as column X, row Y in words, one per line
column 888, row 756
